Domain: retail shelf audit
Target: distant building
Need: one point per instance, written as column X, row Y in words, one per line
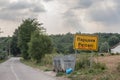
column 116, row 48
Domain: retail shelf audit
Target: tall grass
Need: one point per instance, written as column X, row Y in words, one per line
column 118, row 67
column 48, row 60
column 86, row 68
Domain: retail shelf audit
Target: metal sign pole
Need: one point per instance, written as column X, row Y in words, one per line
column 91, row 60
column 75, row 52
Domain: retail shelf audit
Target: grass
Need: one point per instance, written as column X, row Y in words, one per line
column 34, row 65
column 98, row 71
column 3, row 60
column 59, row 74
column 118, row 67
column 45, row 65
column 84, row 70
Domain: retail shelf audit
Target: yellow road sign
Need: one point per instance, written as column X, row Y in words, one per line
column 86, row 42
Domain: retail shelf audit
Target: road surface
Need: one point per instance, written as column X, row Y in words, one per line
column 13, row 69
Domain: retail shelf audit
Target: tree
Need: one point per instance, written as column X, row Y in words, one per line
column 27, row 27
column 39, row 45
column 104, row 47
column 14, row 47
column 4, row 47
column 113, row 40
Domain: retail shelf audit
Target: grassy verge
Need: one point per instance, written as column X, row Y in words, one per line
column 35, row 65
column 3, row 60
column 97, row 71
column 46, row 64
column 84, row 70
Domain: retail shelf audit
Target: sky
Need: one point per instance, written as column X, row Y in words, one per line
column 62, row 16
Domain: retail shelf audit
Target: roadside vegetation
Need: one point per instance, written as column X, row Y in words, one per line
column 99, row 69
column 4, row 48
column 37, row 49
column 85, row 69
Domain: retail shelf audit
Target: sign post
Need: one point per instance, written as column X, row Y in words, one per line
column 86, row 42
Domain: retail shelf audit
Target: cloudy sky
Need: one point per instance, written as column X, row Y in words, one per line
column 62, row 16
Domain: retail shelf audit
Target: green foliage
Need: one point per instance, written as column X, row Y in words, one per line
column 63, row 43
column 4, row 47
column 83, row 62
column 2, row 55
column 27, row 27
column 100, row 66
column 39, row 45
column 118, row 67
column 113, row 40
column 104, row 47
column 48, row 60
column 15, row 51
column 60, row 74
column 86, row 68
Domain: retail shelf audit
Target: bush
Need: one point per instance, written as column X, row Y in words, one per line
column 101, row 54
column 118, row 67
column 39, row 45
column 84, row 62
column 84, row 66
column 117, row 53
column 100, row 66
column 112, row 54
column 2, row 56
column 48, row 60
column 60, row 74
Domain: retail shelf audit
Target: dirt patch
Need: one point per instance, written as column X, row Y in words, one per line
column 110, row 61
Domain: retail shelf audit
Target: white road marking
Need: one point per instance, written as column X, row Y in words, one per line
column 14, row 73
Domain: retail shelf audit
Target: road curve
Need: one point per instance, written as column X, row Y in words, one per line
column 13, row 69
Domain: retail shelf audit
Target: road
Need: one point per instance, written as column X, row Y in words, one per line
column 13, row 69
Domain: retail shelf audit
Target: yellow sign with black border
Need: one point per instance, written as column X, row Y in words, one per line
column 86, row 42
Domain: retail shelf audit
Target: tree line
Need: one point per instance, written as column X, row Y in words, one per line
column 63, row 43
column 4, row 47
column 31, row 41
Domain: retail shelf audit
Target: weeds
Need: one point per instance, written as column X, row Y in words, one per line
column 60, row 74
column 118, row 67
column 86, row 68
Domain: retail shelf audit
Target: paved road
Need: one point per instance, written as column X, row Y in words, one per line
column 13, row 69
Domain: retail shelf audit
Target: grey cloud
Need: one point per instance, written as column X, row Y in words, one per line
column 19, row 5
column 38, row 9
column 84, row 4
column 71, row 20
column 48, row 0
column 109, row 16
column 9, row 16
column 22, row 5
column 4, row 2
column 21, row 9
column 15, row 16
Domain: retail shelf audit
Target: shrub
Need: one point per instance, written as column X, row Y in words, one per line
column 84, row 62
column 60, row 74
column 112, row 54
column 117, row 53
column 99, row 66
column 118, row 67
column 101, row 54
